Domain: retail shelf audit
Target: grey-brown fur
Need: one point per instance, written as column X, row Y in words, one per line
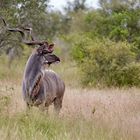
column 40, row 86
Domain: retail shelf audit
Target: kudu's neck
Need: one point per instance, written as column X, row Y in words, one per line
column 33, row 66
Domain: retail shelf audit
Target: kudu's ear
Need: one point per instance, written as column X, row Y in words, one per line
column 51, row 47
column 45, row 48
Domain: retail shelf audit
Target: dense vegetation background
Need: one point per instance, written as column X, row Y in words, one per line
column 97, row 47
column 104, row 43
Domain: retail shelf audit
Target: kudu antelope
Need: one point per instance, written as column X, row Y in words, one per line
column 40, row 86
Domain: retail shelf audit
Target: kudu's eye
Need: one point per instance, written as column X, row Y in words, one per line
column 39, row 51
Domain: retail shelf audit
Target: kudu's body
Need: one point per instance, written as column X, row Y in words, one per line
column 41, row 86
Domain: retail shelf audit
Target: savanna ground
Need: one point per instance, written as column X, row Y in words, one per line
column 87, row 114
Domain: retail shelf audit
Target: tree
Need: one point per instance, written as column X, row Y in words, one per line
column 75, row 6
column 7, row 10
column 109, row 6
column 34, row 14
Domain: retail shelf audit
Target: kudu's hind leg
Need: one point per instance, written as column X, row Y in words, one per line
column 57, row 105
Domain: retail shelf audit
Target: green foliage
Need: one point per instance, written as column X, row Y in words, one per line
column 118, row 26
column 119, row 5
column 117, row 21
column 106, row 63
column 75, row 6
column 34, row 14
column 106, row 44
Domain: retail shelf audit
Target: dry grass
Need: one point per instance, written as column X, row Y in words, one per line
column 87, row 114
column 112, row 109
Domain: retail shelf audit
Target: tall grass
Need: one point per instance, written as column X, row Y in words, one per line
column 35, row 125
column 109, row 114
column 87, row 114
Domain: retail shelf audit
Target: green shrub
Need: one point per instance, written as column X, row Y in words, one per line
column 106, row 63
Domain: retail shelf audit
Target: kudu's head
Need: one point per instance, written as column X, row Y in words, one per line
column 41, row 57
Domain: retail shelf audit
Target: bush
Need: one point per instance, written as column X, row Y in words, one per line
column 106, row 63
